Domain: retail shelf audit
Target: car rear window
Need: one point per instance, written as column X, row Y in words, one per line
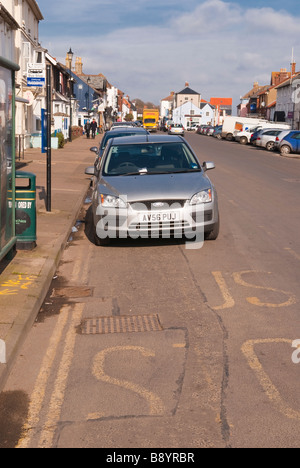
column 117, row 134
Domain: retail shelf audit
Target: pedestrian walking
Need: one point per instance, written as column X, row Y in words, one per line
column 87, row 129
column 94, row 128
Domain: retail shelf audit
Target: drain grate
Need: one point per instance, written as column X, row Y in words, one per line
column 120, row 324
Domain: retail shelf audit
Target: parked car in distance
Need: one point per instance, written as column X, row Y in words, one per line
column 244, row 136
column 217, row 133
column 176, row 129
column 210, row 131
column 279, row 137
column 290, row 143
column 254, row 136
column 120, row 131
column 152, row 186
column 266, row 138
column 192, row 127
column 200, row 128
column 168, row 125
column 123, row 124
column 207, row 129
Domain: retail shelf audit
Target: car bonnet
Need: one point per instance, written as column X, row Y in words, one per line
column 155, row 187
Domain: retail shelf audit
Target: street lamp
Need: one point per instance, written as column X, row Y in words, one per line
column 70, row 58
column 88, row 83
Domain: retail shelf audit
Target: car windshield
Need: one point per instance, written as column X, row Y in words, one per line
column 119, row 133
column 149, row 158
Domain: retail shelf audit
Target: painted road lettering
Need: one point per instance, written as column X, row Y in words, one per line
column 238, row 277
column 296, row 354
column 156, row 406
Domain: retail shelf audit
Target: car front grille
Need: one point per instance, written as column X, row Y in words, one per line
column 150, row 205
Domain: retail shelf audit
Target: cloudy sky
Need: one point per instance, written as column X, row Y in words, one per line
column 148, row 48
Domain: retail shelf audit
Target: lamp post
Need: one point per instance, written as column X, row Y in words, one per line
column 70, row 58
column 88, row 83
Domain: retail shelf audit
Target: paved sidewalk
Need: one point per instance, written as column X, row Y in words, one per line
column 25, row 281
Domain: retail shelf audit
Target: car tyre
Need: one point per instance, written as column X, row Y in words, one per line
column 213, row 235
column 270, row 145
column 243, row 140
column 98, row 241
column 285, row 150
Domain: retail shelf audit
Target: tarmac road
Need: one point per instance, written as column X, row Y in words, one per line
column 193, row 348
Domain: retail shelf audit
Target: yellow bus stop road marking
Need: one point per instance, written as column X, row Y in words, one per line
column 264, row 380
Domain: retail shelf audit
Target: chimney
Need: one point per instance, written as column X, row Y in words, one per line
column 78, row 66
column 187, row 84
column 293, row 68
column 68, row 62
column 256, row 85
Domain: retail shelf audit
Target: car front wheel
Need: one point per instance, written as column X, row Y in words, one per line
column 285, row 149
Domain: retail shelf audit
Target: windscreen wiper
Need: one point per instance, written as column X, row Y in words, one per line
column 146, row 173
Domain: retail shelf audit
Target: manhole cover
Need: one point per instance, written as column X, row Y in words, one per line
column 72, row 291
column 120, row 324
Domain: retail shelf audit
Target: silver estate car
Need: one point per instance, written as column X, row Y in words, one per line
column 152, row 186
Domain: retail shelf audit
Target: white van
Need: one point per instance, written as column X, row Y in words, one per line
column 234, row 123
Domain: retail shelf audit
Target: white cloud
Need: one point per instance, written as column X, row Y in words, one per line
column 218, row 47
column 209, row 17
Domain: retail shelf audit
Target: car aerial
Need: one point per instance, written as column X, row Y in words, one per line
column 152, row 186
column 176, row 129
column 114, row 133
column 290, row 143
column 266, row 138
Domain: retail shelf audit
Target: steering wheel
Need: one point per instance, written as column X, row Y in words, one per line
column 127, row 164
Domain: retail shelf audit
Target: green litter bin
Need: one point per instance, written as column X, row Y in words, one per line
column 25, row 210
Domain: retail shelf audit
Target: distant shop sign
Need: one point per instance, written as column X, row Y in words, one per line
column 36, row 75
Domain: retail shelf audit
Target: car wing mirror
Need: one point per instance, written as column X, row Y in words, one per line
column 90, row 171
column 94, row 149
column 208, row 165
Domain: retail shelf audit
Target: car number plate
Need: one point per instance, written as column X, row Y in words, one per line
column 160, row 217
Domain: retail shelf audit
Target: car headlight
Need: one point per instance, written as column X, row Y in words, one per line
column 205, row 196
column 110, row 201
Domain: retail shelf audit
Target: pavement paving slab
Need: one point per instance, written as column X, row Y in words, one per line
column 25, row 280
